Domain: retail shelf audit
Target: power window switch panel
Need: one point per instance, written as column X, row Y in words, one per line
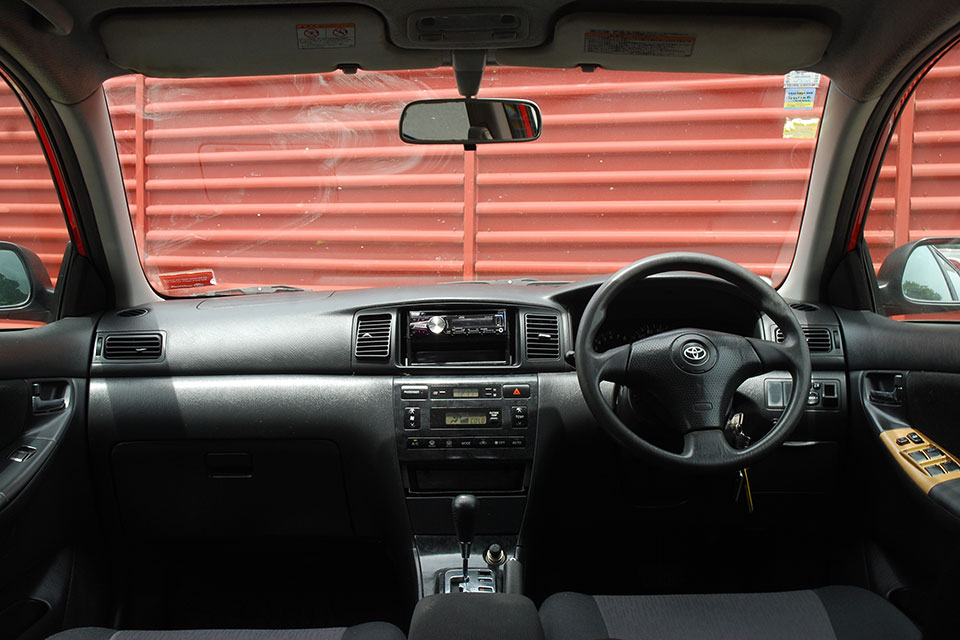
column 915, row 438
column 918, row 456
column 933, row 452
column 934, row 470
column 902, row 441
column 950, row 466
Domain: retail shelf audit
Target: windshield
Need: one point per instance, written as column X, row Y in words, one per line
column 303, row 180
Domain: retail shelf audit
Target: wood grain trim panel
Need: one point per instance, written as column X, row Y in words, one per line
column 913, row 469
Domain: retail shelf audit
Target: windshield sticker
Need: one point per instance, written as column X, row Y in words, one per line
column 326, row 36
column 801, row 128
column 799, row 98
column 188, row 279
column 801, row 79
column 639, row 43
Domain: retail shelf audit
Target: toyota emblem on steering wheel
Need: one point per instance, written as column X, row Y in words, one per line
column 694, row 353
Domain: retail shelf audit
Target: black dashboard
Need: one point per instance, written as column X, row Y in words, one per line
column 317, row 332
column 374, row 406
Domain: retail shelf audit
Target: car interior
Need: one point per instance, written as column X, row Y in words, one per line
column 539, row 319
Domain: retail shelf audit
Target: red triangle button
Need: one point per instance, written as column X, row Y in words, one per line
column 516, row 390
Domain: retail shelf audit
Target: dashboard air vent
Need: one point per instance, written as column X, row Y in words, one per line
column 132, row 313
column 818, row 339
column 542, row 334
column 373, row 336
column 803, row 306
column 133, row 346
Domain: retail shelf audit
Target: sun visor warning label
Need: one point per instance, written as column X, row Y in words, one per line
column 639, row 43
column 326, row 36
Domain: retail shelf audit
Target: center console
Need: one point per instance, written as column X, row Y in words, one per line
column 466, row 411
column 465, row 435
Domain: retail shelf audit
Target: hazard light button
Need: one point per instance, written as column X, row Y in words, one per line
column 516, row 391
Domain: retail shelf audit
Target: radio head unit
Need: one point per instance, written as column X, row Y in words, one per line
column 458, row 337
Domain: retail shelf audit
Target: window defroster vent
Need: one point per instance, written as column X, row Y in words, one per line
column 373, row 337
column 542, row 333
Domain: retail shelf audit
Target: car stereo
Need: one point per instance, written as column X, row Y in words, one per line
column 448, row 337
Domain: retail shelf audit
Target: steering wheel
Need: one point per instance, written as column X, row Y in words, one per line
column 693, row 373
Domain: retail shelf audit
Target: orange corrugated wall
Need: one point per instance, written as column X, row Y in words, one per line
column 260, row 180
column 279, row 191
column 918, row 195
column 30, row 211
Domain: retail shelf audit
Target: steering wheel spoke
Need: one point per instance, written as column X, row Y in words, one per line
column 612, row 365
column 772, row 355
column 708, row 446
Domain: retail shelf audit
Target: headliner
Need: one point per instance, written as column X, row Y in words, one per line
column 872, row 40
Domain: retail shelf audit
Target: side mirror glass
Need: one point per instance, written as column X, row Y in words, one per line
column 921, row 277
column 26, row 292
column 469, row 121
column 14, row 280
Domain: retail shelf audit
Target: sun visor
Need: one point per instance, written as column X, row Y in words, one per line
column 254, row 41
column 706, row 44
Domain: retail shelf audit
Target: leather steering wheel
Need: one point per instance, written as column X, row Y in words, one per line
column 693, row 373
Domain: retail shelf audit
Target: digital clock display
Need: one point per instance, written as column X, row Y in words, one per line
column 463, row 392
column 464, row 418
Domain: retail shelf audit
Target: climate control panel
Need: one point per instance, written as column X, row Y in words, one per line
column 451, row 418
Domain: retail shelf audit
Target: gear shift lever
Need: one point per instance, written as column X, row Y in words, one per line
column 464, row 509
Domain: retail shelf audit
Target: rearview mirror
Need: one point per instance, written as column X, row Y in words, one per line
column 921, row 277
column 26, row 292
column 469, row 121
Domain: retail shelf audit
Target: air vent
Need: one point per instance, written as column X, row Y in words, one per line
column 542, row 334
column 132, row 313
column 818, row 339
column 803, row 306
column 130, row 346
column 373, row 337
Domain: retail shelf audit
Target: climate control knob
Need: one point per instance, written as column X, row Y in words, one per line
column 436, row 324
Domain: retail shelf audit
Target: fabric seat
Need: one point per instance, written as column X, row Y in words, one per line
column 367, row 631
column 830, row 613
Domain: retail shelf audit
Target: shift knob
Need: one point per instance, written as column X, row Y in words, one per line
column 464, row 509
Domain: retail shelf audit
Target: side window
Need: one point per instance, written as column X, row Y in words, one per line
column 33, row 230
column 913, row 225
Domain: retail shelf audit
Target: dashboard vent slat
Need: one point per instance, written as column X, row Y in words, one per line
column 818, row 339
column 542, row 333
column 130, row 346
column 374, row 333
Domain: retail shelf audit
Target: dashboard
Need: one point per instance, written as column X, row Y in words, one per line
column 371, row 407
column 526, row 328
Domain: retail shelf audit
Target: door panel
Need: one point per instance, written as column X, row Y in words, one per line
column 47, row 518
column 904, row 461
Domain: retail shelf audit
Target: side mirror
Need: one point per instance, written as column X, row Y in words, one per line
column 26, row 292
column 469, row 121
column 921, row 277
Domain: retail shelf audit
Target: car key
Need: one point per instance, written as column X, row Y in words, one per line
column 744, row 487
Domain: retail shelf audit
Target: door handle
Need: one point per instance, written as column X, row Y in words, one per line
column 48, row 406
